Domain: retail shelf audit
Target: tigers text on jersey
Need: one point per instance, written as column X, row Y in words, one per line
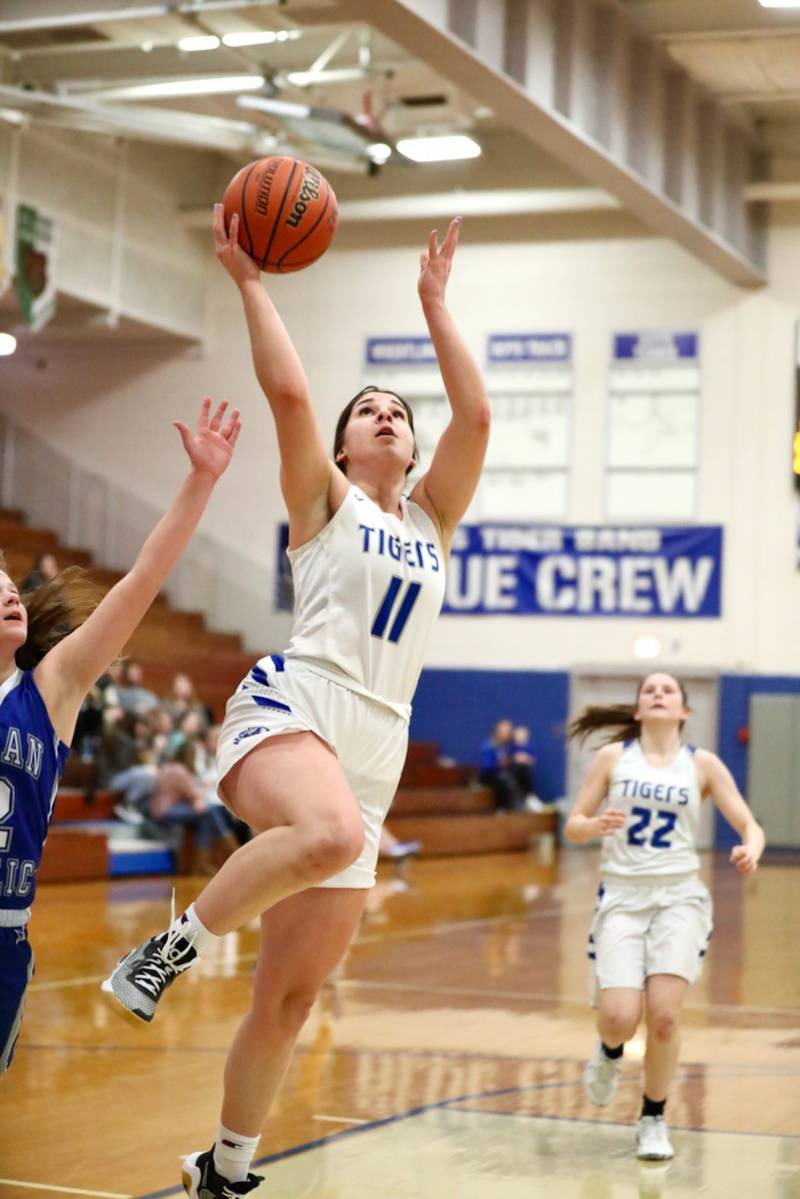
column 662, row 804
column 368, row 589
column 31, row 762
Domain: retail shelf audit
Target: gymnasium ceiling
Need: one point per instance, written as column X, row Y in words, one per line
column 72, row 63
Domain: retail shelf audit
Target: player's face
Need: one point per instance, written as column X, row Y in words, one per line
column 13, row 617
column 378, row 429
column 661, row 700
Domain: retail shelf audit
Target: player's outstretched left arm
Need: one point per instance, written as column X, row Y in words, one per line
column 450, row 483
column 67, row 672
column 719, row 783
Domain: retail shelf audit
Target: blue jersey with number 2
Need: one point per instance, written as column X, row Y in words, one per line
column 32, row 760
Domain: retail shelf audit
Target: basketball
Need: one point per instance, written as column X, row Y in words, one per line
column 287, row 212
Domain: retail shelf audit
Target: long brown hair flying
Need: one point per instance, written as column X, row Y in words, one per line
column 618, row 719
column 54, row 609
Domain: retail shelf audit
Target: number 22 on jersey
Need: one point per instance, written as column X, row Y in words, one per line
column 639, row 832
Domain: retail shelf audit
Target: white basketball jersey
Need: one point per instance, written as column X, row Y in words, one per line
column 367, row 591
column 663, row 812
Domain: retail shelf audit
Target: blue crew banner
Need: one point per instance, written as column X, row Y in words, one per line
column 543, row 570
column 583, row 570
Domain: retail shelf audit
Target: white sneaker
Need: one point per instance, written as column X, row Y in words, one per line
column 652, row 1140
column 601, row 1077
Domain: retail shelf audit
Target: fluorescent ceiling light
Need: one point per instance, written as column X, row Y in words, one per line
column 8, row 344
column 257, row 38
column 325, row 75
column 260, row 37
column 280, row 108
column 203, row 85
column 779, row 3
column 198, row 43
column 438, row 149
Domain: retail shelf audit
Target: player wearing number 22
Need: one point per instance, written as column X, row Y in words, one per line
column 55, row 642
column 314, row 740
column 653, row 920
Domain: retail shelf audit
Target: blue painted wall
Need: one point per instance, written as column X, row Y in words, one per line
column 734, row 714
column 458, row 708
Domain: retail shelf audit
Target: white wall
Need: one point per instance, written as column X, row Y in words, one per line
column 111, row 410
column 120, row 242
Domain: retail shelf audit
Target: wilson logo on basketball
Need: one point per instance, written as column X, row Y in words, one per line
column 264, row 187
column 309, row 191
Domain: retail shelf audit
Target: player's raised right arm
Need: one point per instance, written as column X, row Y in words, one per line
column 305, row 465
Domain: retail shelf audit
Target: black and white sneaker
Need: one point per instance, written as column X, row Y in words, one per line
column 138, row 981
column 201, row 1180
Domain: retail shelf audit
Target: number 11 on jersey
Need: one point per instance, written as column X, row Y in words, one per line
column 386, row 608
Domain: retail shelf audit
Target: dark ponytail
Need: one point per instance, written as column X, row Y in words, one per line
column 619, row 719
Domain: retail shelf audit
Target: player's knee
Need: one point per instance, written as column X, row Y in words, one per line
column 279, row 1014
column 619, row 1025
column 663, row 1024
column 294, row 1008
column 331, row 846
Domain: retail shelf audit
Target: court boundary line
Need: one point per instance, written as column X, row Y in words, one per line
column 443, row 1104
column 43, row 1186
column 432, row 989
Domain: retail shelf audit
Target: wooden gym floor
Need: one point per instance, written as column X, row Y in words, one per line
column 444, row 1062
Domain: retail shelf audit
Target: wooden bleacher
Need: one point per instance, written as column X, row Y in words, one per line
column 443, row 808
column 436, row 804
column 167, row 640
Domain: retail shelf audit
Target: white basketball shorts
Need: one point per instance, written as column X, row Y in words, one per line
column 369, row 740
column 650, row 926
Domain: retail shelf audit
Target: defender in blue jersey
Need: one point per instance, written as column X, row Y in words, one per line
column 643, row 795
column 54, row 644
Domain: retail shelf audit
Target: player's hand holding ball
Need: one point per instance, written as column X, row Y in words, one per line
column 282, row 213
column 240, row 266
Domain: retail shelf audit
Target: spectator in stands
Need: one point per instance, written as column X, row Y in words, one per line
column 496, row 767
column 92, row 718
column 522, row 760
column 126, row 763
column 162, row 726
column 209, row 776
column 43, row 569
column 178, row 799
column 132, row 696
column 183, row 698
column 189, row 727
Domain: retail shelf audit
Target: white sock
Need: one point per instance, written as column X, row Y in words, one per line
column 233, row 1154
column 195, row 931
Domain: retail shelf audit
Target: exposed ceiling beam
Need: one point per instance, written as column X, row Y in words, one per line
column 239, row 139
column 20, row 15
column 604, row 99
column 496, row 202
column 665, row 17
column 145, row 123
